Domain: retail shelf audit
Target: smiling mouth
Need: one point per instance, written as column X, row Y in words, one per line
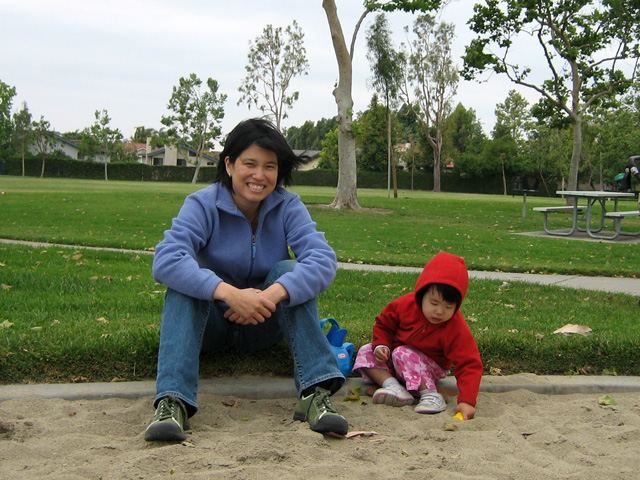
column 255, row 188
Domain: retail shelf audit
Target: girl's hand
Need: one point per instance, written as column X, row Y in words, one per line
column 381, row 354
column 468, row 411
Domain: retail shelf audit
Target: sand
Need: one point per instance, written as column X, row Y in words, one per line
column 515, row 435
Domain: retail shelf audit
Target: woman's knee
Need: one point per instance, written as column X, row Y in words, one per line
column 279, row 269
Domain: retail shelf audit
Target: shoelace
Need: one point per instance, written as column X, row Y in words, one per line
column 430, row 400
column 322, row 401
column 168, row 409
column 395, row 388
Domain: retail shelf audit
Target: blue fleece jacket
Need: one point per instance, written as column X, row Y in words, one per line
column 210, row 241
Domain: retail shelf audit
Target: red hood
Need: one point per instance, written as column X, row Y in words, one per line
column 445, row 268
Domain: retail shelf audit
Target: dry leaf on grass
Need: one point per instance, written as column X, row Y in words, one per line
column 570, row 328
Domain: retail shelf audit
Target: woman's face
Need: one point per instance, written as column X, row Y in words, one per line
column 254, row 176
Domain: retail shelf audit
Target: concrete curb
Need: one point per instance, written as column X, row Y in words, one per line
column 278, row 387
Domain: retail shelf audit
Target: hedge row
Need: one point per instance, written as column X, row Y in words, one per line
column 68, row 168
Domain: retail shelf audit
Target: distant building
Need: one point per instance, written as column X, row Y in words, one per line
column 59, row 143
column 171, row 155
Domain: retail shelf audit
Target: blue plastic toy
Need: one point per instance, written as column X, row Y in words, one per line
column 343, row 351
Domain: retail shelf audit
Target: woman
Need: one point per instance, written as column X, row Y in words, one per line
column 232, row 284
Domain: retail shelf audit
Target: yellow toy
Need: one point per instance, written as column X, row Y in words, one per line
column 458, row 416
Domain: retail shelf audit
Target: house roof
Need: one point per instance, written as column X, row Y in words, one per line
column 162, row 150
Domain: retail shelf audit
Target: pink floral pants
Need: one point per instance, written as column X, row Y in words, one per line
column 407, row 364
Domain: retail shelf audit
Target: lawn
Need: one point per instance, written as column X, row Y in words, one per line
column 76, row 314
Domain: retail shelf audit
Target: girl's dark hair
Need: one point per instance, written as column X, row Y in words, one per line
column 261, row 132
column 448, row 293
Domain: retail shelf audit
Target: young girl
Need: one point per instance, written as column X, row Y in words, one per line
column 421, row 335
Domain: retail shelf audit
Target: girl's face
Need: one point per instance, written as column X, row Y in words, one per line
column 435, row 309
column 254, row 176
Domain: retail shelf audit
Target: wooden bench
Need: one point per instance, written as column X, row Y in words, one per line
column 566, row 209
column 617, row 222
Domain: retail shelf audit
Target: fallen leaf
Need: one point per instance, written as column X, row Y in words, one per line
column 495, row 371
column 230, row 403
column 570, row 328
column 354, row 394
column 606, row 400
column 102, row 320
column 450, row 427
column 6, row 324
column 5, row 287
column 360, row 434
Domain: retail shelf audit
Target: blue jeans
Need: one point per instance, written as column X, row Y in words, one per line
column 190, row 325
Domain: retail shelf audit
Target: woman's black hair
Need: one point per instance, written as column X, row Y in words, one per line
column 263, row 133
column 448, row 293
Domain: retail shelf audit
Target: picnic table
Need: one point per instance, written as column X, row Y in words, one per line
column 585, row 212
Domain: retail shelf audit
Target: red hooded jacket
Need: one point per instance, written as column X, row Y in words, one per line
column 450, row 343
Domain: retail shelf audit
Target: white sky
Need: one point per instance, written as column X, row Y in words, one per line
column 69, row 58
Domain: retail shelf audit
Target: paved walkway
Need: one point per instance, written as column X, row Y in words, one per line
column 257, row 387
column 629, row 286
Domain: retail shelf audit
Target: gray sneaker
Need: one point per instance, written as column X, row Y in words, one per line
column 169, row 421
column 431, row 403
column 317, row 410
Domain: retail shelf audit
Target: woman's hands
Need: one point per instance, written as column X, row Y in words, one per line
column 250, row 306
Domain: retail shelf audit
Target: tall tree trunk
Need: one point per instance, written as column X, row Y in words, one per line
column 346, row 194
column 436, row 144
column 195, row 174
column 392, row 160
column 577, row 151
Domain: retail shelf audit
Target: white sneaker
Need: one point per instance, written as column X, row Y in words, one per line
column 395, row 395
column 431, row 403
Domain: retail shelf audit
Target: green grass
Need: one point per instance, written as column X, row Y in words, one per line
column 70, row 314
column 481, row 228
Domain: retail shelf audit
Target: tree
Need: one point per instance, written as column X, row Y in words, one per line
column 329, row 153
column 309, row 136
column 591, row 50
column 273, row 62
column 431, row 79
column 371, row 138
column 6, row 100
column 142, row 133
column 512, row 128
column 104, row 137
column 611, row 136
column 387, row 75
column 195, row 122
column 22, row 131
column 513, row 117
column 346, row 194
column 43, row 140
